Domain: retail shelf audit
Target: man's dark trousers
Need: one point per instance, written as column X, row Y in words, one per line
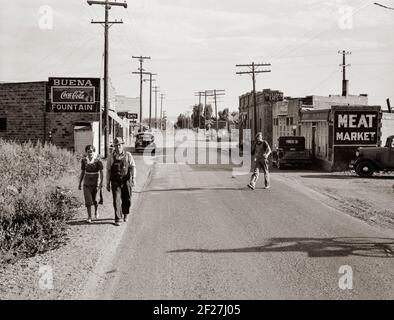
column 121, row 194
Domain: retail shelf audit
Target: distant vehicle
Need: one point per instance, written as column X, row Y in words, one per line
column 374, row 159
column 145, row 140
column 291, row 152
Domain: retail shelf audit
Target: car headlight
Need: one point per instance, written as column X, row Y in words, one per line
column 358, row 153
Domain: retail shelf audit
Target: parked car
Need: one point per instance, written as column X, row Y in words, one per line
column 374, row 159
column 145, row 140
column 291, row 152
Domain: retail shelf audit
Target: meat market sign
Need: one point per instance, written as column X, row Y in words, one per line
column 356, row 127
column 74, row 95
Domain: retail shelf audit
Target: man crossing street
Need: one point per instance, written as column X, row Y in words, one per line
column 260, row 152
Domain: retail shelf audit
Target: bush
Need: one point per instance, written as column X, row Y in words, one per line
column 34, row 208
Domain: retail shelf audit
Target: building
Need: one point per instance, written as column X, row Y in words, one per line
column 265, row 100
column 126, row 104
column 334, row 134
column 128, row 109
column 387, row 126
column 286, row 114
column 63, row 111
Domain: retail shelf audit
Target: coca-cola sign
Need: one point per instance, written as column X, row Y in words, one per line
column 74, row 95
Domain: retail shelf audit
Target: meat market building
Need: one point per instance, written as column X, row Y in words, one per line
column 63, row 111
column 334, row 134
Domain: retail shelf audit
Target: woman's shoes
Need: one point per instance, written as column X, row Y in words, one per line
column 96, row 215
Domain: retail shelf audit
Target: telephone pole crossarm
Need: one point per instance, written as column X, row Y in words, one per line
column 253, row 73
column 107, row 3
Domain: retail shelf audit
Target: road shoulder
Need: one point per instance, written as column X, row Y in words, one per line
column 74, row 270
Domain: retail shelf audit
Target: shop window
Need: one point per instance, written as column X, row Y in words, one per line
column 3, row 124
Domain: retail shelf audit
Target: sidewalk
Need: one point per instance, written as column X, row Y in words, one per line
column 76, row 266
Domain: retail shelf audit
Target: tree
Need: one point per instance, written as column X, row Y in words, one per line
column 198, row 113
column 224, row 115
column 234, row 118
column 208, row 111
column 183, row 122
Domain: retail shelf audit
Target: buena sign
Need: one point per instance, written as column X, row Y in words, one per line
column 356, row 127
column 74, row 95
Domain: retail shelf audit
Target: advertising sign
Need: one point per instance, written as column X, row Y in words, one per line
column 356, row 128
column 272, row 96
column 74, row 95
column 132, row 116
column 283, row 108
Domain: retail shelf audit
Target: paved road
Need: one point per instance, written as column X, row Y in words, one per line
column 199, row 234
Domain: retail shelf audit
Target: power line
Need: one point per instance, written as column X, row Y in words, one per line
column 162, row 95
column 150, row 95
column 383, row 6
column 287, row 51
column 215, row 93
column 156, row 90
column 141, row 72
column 253, row 72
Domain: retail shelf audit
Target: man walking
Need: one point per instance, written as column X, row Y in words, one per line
column 121, row 177
column 260, row 151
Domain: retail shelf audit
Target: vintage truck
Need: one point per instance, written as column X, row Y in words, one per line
column 291, row 152
column 373, row 159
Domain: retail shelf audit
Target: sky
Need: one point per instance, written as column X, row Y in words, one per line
column 195, row 45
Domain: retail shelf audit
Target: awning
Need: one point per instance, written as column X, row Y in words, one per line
column 124, row 123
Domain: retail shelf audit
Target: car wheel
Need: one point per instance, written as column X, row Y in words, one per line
column 365, row 169
column 281, row 166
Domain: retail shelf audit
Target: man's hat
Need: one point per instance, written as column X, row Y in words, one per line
column 118, row 140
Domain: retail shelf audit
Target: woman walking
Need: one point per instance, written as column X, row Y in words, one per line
column 92, row 177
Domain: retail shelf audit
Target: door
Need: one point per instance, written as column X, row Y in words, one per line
column 83, row 136
column 313, row 141
column 387, row 156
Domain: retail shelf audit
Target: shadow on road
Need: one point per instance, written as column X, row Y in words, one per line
column 198, row 189
column 316, row 248
column 338, row 176
column 94, row 222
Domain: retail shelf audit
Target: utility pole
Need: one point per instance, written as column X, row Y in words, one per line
column 215, row 93
column 150, row 96
column 199, row 94
column 141, row 60
column 162, row 95
column 345, row 83
column 156, row 90
column 253, row 72
column 107, row 24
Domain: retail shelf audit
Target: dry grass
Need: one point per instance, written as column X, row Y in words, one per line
column 35, row 203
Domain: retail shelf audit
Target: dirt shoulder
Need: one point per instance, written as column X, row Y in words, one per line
column 369, row 199
column 72, row 271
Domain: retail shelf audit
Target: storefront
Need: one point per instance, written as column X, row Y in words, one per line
column 333, row 135
column 63, row 111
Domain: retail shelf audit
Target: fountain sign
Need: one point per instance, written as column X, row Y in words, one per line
column 74, row 95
